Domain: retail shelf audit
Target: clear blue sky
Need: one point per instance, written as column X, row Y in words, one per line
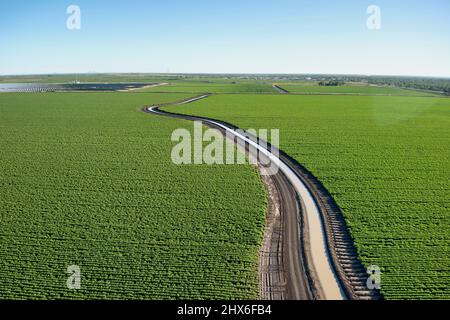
column 228, row 36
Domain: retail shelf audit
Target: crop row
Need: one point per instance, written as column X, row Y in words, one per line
column 87, row 180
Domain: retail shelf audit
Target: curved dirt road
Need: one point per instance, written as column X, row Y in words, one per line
column 300, row 260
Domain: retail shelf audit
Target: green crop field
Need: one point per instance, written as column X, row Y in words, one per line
column 309, row 88
column 386, row 161
column 86, row 179
column 213, row 87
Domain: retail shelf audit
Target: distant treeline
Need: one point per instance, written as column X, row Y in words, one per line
column 433, row 84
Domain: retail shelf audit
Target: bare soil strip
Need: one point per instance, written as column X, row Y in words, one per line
column 273, row 280
column 145, row 87
column 282, row 271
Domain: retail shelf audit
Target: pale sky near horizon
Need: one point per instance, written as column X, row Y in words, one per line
column 209, row 36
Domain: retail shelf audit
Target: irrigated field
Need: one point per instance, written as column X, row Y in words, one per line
column 353, row 89
column 386, row 161
column 86, row 179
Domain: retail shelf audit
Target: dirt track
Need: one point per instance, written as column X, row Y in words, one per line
column 282, row 267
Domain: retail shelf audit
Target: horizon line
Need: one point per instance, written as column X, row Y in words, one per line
column 227, row 73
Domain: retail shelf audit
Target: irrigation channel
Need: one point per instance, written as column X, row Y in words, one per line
column 280, row 89
column 307, row 252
